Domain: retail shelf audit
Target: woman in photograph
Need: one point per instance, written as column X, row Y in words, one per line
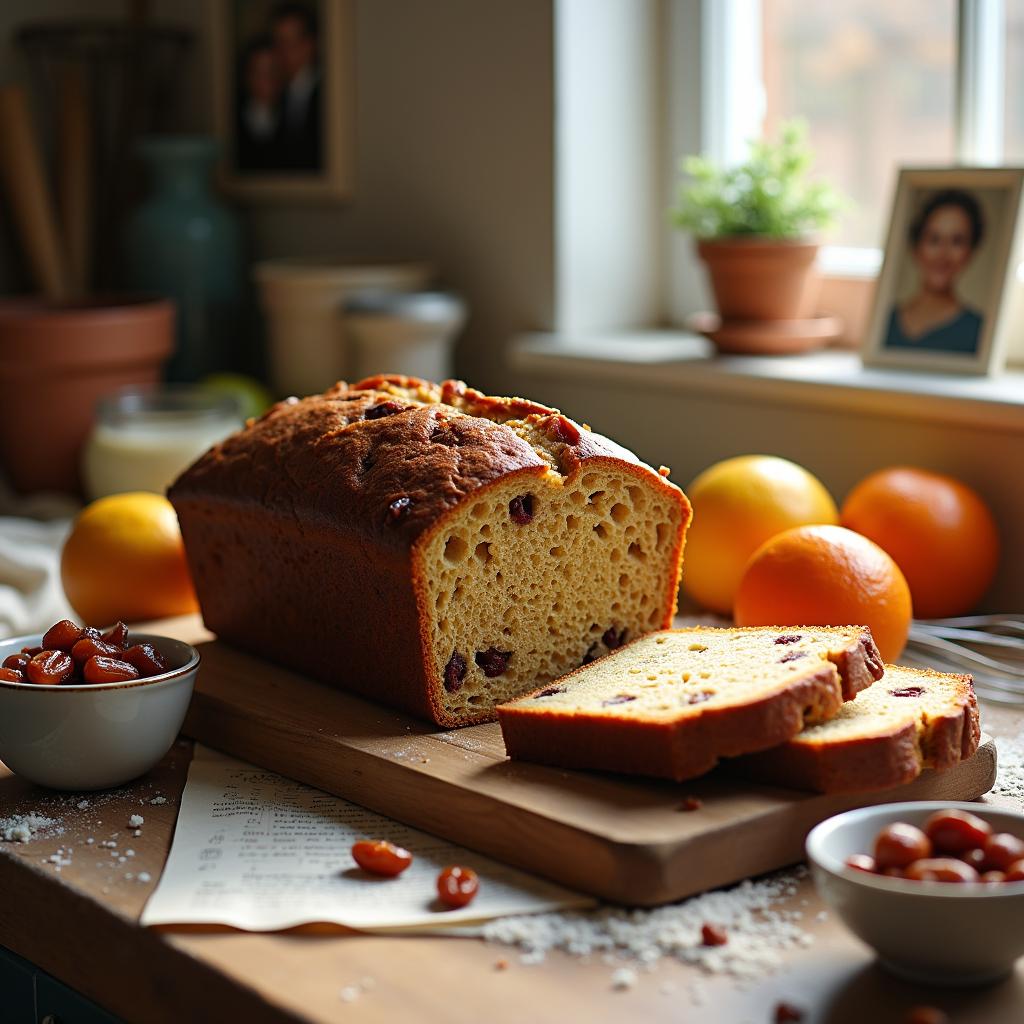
column 944, row 237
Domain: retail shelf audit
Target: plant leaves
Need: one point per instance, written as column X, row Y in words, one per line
column 769, row 195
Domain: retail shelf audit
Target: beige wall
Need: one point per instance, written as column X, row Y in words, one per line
column 454, row 162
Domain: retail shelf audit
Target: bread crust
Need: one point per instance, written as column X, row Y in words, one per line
column 692, row 744
column 952, row 738
column 860, row 667
column 355, row 465
column 303, row 531
column 881, row 760
column 874, row 763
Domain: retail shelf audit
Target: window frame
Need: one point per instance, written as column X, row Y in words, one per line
column 733, row 95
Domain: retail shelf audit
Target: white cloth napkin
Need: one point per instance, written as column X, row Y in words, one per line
column 32, row 532
column 31, row 596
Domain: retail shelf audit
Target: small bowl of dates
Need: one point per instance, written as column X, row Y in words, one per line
column 937, row 889
column 83, row 708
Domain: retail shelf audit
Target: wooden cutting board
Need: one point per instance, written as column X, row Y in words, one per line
column 621, row 839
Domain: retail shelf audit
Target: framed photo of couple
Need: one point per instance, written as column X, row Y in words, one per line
column 283, row 87
column 950, row 271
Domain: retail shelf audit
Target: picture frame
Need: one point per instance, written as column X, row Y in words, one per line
column 283, row 85
column 949, row 271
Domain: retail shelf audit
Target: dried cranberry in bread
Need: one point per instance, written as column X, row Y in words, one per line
column 673, row 703
column 910, row 720
column 428, row 546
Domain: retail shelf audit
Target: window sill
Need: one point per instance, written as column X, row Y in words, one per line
column 675, row 361
column 843, row 261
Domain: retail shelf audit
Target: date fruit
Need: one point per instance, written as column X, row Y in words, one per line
column 1002, row 850
column 116, row 636
column 49, row 668
column 146, row 658
column 99, row 669
column 940, row 869
column 457, row 886
column 955, row 831
column 899, row 844
column 89, row 647
column 62, row 636
column 379, row 857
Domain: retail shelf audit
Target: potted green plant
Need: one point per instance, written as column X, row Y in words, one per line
column 756, row 226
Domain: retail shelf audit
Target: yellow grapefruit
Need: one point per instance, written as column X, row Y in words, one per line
column 738, row 504
column 124, row 559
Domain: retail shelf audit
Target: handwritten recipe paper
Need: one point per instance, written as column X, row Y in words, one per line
column 257, row 851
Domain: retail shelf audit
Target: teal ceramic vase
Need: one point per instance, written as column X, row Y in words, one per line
column 184, row 243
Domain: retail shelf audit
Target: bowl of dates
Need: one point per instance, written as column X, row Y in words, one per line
column 85, row 708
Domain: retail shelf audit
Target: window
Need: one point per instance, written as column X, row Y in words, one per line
column 876, row 83
column 1013, row 85
column 880, row 84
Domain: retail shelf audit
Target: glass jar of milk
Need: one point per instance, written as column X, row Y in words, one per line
column 142, row 439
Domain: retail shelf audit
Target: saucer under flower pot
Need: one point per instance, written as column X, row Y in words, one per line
column 767, row 337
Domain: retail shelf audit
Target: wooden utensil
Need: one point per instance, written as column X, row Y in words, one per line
column 74, row 174
column 21, row 164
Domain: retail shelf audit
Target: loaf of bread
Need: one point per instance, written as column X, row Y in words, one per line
column 910, row 720
column 428, row 546
column 673, row 703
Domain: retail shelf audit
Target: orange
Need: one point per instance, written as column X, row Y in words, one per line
column 738, row 504
column 826, row 576
column 124, row 559
column 939, row 531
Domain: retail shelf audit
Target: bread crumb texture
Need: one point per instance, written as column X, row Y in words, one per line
column 685, row 673
column 540, row 576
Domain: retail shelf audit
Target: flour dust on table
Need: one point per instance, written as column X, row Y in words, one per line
column 1010, row 780
column 752, row 930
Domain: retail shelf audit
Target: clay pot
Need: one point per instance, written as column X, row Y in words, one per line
column 56, row 362
column 761, row 278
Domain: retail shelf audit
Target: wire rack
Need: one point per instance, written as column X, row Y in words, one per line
column 989, row 647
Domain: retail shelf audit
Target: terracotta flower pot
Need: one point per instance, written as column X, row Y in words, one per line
column 761, row 278
column 56, row 362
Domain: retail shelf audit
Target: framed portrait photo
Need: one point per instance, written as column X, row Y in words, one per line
column 283, row 85
column 949, row 271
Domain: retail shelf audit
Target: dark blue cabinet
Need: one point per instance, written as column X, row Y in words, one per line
column 32, row 997
column 17, row 986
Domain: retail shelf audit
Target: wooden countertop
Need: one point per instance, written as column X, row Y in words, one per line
column 80, row 925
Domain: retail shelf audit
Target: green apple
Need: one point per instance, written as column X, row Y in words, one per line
column 252, row 396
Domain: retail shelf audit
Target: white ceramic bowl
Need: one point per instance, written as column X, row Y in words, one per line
column 92, row 737
column 940, row 933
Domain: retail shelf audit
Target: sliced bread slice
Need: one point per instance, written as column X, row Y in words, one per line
column 910, row 720
column 672, row 703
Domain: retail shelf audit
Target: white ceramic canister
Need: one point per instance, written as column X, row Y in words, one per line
column 303, row 302
column 412, row 333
